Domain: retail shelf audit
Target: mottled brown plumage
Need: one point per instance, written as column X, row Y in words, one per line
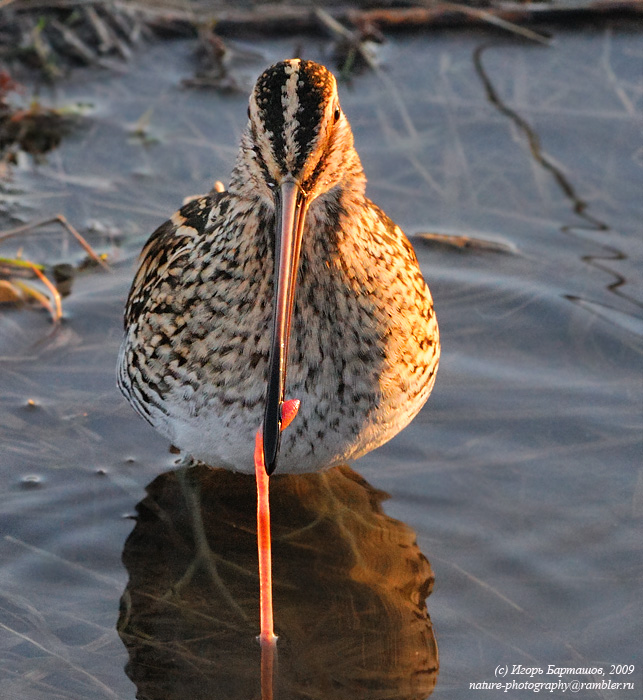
column 364, row 342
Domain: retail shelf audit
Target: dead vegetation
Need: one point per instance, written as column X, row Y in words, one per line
column 18, row 275
column 53, row 36
column 27, row 126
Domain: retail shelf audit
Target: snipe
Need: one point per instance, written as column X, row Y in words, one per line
column 290, row 283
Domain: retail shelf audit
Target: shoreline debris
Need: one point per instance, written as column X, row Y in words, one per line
column 16, row 273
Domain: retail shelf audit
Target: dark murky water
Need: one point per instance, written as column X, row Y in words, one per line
column 521, row 478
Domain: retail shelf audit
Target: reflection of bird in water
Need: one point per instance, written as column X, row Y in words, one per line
column 294, row 242
column 350, row 586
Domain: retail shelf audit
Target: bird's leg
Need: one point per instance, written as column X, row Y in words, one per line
column 267, row 636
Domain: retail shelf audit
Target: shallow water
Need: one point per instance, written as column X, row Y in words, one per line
column 521, row 478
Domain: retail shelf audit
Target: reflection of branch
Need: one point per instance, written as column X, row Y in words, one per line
column 204, row 557
column 542, row 158
column 569, row 191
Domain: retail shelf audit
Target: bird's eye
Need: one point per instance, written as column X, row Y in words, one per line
column 337, row 115
column 248, row 111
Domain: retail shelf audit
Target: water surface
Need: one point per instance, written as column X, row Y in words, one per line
column 521, row 479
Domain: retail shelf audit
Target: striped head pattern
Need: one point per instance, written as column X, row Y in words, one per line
column 296, row 129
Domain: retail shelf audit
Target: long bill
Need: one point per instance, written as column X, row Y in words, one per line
column 291, row 212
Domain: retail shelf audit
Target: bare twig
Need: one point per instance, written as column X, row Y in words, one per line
column 75, row 45
column 25, row 228
column 354, row 42
column 88, row 249
column 498, row 21
column 62, row 220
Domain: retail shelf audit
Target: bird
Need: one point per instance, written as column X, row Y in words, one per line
column 290, row 283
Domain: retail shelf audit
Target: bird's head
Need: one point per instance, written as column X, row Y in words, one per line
column 297, row 131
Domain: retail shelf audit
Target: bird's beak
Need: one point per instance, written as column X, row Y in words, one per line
column 291, row 212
